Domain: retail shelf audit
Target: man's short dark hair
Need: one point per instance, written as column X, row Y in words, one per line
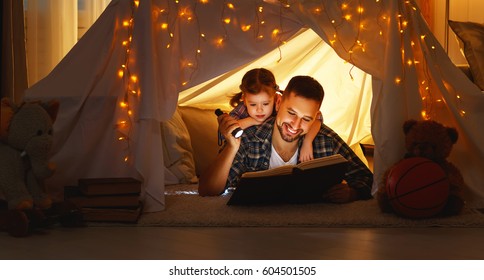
column 305, row 86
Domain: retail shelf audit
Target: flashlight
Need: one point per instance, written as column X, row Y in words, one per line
column 236, row 132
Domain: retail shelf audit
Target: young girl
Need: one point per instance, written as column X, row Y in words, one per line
column 256, row 102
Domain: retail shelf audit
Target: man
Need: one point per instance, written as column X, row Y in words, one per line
column 278, row 140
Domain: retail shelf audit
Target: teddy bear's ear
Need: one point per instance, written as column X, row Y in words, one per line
column 407, row 125
column 453, row 134
column 52, row 109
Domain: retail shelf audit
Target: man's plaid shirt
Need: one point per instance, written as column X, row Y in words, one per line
column 255, row 152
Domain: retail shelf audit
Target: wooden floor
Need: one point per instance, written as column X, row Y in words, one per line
column 245, row 243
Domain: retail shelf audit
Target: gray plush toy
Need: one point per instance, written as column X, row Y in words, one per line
column 25, row 144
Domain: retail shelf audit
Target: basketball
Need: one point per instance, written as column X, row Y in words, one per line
column 417, row 188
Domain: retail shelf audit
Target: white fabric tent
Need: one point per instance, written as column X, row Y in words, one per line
column 165, row 47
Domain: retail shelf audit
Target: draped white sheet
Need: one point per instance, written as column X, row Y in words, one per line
column 87, row 85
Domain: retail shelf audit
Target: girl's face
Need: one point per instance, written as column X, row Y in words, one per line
column 259, row 105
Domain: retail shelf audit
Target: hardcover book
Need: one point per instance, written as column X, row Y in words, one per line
column 76, row 196
column 305, row 182
column 109, row 186
column 112, row 214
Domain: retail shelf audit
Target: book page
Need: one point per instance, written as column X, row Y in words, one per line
column 287, row 169
column 281, row 170
column 323, row 161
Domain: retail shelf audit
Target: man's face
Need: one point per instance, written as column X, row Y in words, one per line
column 295, row 116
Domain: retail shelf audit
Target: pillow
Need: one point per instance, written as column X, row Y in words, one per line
column 203, row 127
column 177, row 150
column 472, row 35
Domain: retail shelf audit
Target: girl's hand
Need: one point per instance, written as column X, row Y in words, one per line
column 306, row 152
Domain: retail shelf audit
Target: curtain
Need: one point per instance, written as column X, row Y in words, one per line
column 14, row 67
column 53, row 27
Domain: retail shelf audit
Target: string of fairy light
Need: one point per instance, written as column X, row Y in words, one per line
column 350, row 13
column 130, row 83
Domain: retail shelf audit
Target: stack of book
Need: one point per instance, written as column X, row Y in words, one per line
column 106, row 199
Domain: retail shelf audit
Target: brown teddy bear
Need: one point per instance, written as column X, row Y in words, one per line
column 430, row 139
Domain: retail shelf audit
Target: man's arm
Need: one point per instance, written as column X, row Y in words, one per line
column 358, row 178
column 212, row 181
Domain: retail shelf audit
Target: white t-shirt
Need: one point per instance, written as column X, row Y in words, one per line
column 277, row 161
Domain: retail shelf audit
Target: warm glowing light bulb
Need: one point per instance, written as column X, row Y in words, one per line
column 347, row 17
column 125, row 23
column 398, row 80
column 123, row 104
column 275, row 32
column 227, row 20
column 136, row 3
column 164, row 25
column 230, row 6
column 122, row 123
column 120, row 73
column 219, row 42
column 134, row 78
column 260, row 9
column 245, row 27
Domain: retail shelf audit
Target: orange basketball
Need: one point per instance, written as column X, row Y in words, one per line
column 417, row 188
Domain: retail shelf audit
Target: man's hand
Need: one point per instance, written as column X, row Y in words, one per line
column 226, row 124
column 341, row 193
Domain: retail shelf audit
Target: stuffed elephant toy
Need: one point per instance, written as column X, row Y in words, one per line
column 26, row 141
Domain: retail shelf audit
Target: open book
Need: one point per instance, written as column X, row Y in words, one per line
column 305, row 182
